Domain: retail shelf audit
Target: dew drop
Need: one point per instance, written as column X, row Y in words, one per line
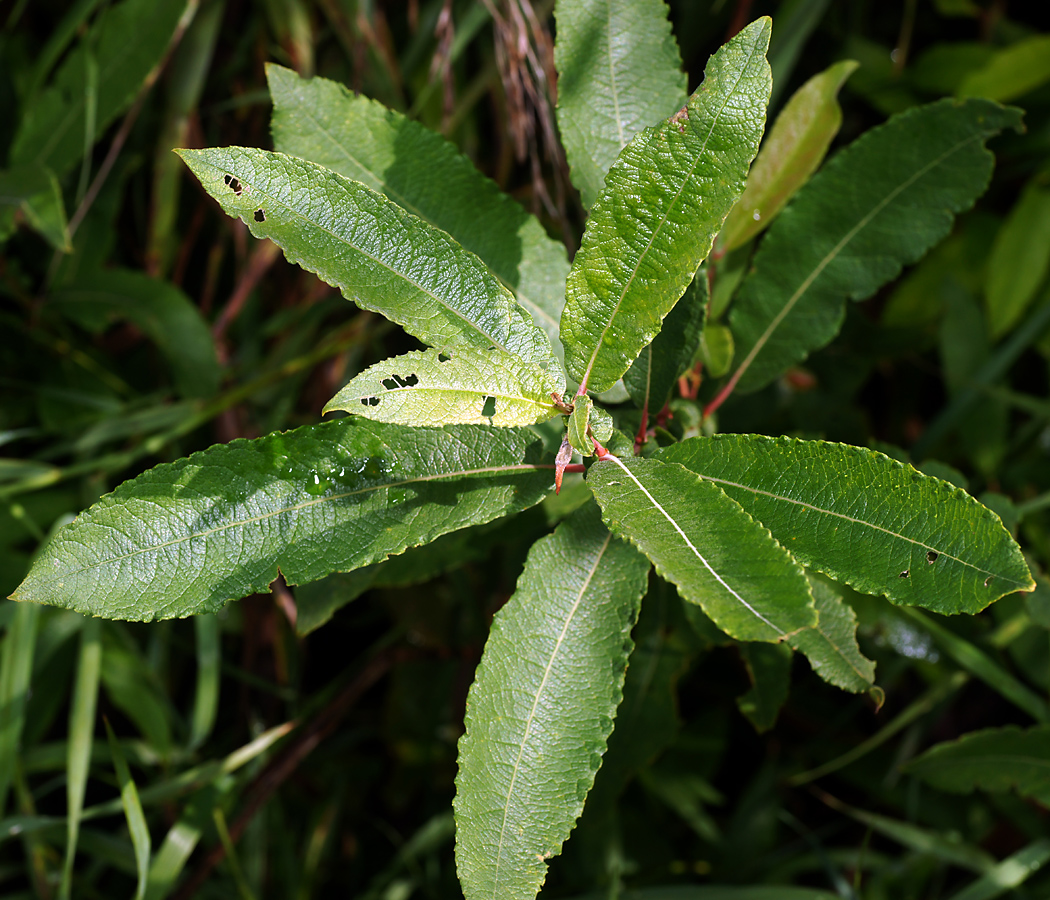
column 757, row 215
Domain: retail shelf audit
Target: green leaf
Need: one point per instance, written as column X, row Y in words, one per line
column 1012, row 71
column 769, row 668
column 997, row 759
column 865, row 519
column 128, row 43
column 35, row 190
column 185, row 537
column 791, row 152
column 655, row 372
column 1020, row 258
column 159, row 309
column 381, row 257
column 1010, row 873
column 576, row 428
column 718, row 892
column 872, row 209
column 429, row 388
column 129, row 798
column 831, row 644
column 716, row 349
column 664, row 200
column 542, row 705
column 321, row 121
column 618, row 72
column 719, row 556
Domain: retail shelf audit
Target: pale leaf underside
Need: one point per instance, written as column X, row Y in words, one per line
column 717, row 555
column 542, row 705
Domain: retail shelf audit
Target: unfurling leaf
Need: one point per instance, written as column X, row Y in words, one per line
column 865, row 519
column 542, row 705
column 717, row 555
column 665, row 198
column 577, row 427
column 431, row 388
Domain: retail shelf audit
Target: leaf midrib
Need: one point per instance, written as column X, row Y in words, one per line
column 533, row 307
column 536, row 702
column 834, row 252
column 855, row 521
column 341, row 239
column 690, row 545
column 298, row 507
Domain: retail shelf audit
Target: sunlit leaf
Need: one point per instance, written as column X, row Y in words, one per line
column 430, row 388
column 186, row 537
column 665, row 198
column 618, row 72
column 320, row 120
column 542, row 705
column 381, row 257
column 865, row 519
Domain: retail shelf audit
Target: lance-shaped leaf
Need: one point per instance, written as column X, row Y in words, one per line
column 791, row 152
column 866, row 519
column 831, row 644
column 876, row 206
column 618, row 72
column 381, row 257
column 998, row 759
column 430, row 388
column 185, row 537
column 720, row 557
column 542, row 705
column 320, row 120
column 664, row 200
column 655, row 372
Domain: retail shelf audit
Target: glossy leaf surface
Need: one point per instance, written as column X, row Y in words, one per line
column 186, row 537
column 878, row 205
column 866, row 519
column 717, row 555
column 320, row 120
column 618, row 72
column 791, row 152
column 831, row 644
column 997, row 759
column 430, row 388
column 379, row 256
column 542, row 705
column 664, row 200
